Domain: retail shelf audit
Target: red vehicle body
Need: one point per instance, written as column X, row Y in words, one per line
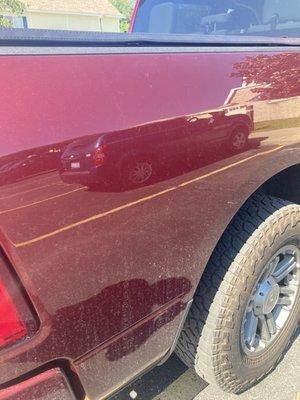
column 106, row 274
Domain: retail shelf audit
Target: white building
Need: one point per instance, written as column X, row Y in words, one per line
column 79, row 15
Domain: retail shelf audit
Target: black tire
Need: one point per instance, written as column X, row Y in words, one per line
column 211, row 338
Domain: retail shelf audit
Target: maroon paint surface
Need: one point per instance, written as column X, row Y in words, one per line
column 48, row 385
column 109, row 270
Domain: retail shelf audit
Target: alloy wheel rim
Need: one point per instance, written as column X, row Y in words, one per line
column 141, row 172
column 272, row 300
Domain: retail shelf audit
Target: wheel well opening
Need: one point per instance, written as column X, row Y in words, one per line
column 285, row 185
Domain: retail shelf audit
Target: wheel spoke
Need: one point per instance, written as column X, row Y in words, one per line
column 272, row 266
column 284, row 267
column 286, row 290
column 251, row 328
column 284, row 301
column 265, row 332
column 271, row 323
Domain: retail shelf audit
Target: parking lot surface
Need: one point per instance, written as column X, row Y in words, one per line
column 173, row 381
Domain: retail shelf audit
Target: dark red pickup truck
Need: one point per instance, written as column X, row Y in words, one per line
column 150, row 198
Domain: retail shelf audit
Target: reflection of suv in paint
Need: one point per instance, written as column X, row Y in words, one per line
column 25, row 164
column 135, row 155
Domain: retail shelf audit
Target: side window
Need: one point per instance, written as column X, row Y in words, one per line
column 273, row 18
column 276, row 18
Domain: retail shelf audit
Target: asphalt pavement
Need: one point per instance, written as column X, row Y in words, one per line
column 173, row 381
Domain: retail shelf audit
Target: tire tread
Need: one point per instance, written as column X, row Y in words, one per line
column 204, row 344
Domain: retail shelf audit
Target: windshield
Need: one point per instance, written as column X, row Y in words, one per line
column 277, row 18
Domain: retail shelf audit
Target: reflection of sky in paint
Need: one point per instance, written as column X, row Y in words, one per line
column 52, row 99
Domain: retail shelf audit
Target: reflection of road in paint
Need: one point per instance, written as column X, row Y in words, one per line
column 40, row 201
column 28, row 191
column 136, row 202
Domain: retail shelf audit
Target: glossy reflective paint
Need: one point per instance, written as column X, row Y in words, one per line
column 111, row 251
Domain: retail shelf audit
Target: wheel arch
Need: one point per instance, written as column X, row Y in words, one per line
column 279, row 184
column 240, row 124
column 132, row 155
column 284, row 184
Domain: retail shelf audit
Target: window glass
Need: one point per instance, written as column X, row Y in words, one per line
column 279, row 18
column 274, row 18
column 17, row 22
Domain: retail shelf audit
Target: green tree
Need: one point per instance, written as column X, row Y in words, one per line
column 10, row 7
column 125, row 7
column 277, row 74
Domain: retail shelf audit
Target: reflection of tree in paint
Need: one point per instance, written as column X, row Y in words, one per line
column 278, row 75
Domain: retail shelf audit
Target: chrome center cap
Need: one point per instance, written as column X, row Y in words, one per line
column 266, row 297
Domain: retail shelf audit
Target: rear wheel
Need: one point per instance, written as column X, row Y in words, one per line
column 247, row 305
column 239, row 139
column 138, row 171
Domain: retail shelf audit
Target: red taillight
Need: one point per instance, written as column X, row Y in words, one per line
column 18, row 320
column 99, row 156
column 11, row 326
